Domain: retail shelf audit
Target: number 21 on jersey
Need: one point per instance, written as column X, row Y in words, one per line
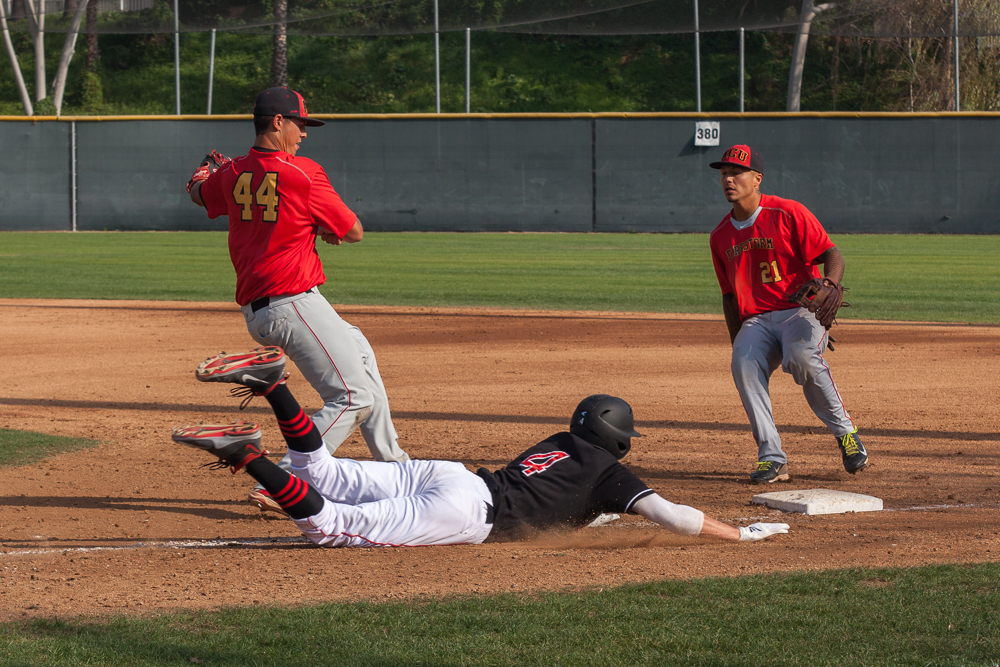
column 769, row 272
column 266, row 196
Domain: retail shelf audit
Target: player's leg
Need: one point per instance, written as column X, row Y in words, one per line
column 237, row 446
column 378, row 431
column 804, row 343
column 756, row 355
column 341, row 480
column 319, row 342
column 373, row 502
column 451, row 509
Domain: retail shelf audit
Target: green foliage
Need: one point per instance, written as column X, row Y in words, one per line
column 940, row 615
column 510, row 72
column 927, row 278
column 18, row 448
column 91, row 93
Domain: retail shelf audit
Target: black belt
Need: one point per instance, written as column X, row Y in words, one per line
column 266, row 301
column 490, row 513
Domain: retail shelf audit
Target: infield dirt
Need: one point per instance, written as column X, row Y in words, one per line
column 135, row 525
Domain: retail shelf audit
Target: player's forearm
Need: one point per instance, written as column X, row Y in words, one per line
column 355, row 233
column 733, row 322
column 833, row 264
column 679, row 519
column 717, row 529
column 196, row 194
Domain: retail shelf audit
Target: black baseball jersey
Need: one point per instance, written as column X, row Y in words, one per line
column 561, row 481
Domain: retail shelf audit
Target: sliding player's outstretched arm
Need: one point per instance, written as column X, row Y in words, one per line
column 685, row 520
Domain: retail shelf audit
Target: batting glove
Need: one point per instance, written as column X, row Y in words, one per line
column 758, row 531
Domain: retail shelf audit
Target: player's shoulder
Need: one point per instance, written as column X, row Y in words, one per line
column 564, row 442
column 305, row 164
column 721, row 227
column 788, row 206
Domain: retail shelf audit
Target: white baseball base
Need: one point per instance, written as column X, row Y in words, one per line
column 819, row 501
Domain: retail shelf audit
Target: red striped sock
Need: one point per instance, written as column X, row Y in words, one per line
column 295, row 496
column 299, row 431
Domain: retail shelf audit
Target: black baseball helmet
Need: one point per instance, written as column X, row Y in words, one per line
column 606, row 422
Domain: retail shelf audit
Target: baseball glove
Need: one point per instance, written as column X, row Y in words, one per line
column 821, row 296
column 212, row 163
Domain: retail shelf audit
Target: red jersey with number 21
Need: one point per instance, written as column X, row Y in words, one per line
column 768, row 260
column 276, row 204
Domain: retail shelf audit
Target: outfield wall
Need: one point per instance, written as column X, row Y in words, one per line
column 874, row 173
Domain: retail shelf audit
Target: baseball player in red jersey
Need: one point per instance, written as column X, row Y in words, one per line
column 278, row 203
column 566, row 480
column 763, row 250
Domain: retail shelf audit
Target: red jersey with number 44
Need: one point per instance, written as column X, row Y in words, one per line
column 768, row 260
column 276, row 205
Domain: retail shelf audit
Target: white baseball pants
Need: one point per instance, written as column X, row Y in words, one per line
column 413, row 503
column 339, row 363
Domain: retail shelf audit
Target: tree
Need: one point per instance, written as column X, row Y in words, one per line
column 809, row 12
column 69, row 47
column 93, row 95
column 14, row 64
column 279, row 57
column 36, row 24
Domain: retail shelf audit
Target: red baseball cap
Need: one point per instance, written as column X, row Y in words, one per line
column 741, row 155
column 286, row 102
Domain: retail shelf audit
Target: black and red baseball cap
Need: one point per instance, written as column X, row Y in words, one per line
column 286, row 102
column 741, row 155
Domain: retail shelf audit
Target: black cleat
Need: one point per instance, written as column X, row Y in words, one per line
column 854, row 452
column 769, row 472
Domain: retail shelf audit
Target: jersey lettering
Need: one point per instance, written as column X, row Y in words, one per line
column 541, row 462
column 755, row 243
column 266, row 196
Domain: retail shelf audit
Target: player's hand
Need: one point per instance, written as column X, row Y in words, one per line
column 758, row 531
column 212, row 163
column 331, row 238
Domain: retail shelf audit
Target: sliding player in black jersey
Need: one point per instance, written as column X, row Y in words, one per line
column 567, row 480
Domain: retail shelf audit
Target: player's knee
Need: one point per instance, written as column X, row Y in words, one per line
column 801, row 363
column 745, row 366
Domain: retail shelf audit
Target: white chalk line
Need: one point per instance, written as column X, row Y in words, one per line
column 214, row 544
column 191, row 544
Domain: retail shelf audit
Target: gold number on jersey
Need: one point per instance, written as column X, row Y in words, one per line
column 267, row 196
column 242, row 196
column 769, row 272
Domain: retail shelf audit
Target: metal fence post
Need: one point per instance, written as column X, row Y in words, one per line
column 211, row 72
column 468, row 69
column 72, row 175
column 177, row 59
column 742, row 67
column 437, row 61
column 697, row 58
column 958, row 98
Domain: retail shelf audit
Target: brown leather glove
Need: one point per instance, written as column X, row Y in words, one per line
column 212, row 163
column 821, row 296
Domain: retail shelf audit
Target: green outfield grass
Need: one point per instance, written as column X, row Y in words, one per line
column 932, row 278
column 940, row 615
column 18, row 448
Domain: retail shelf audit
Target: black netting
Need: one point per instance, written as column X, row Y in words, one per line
column 868, row 18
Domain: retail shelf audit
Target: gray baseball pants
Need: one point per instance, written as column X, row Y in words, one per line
column 339, row 363
column 795, row 340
